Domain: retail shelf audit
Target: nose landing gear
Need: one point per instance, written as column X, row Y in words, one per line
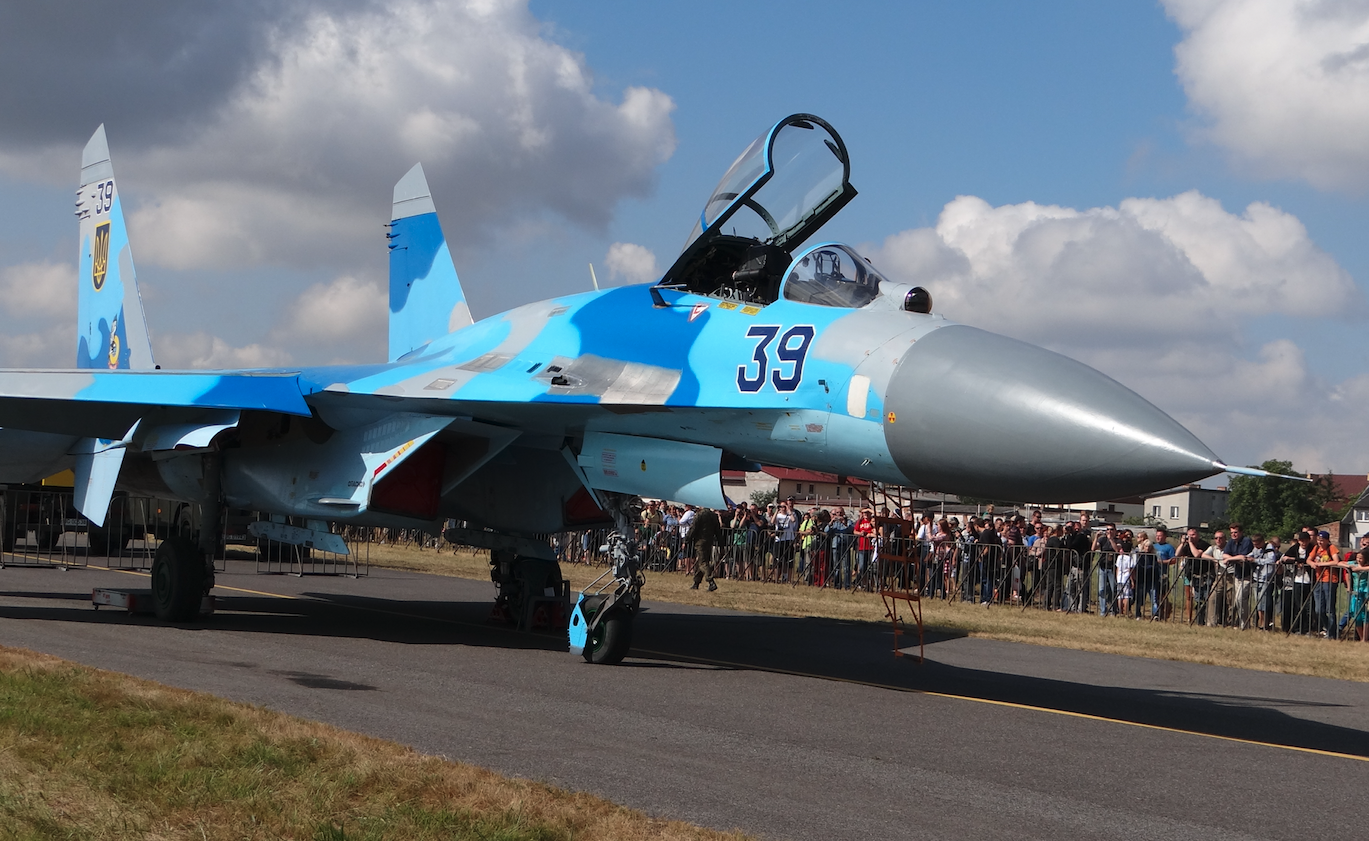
column 601, row 623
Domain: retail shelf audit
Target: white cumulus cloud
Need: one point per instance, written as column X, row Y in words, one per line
column 1282, row 84
column 293, row 163
column 343, row 320
column 267, row 150
column 204, row 350
column 631, row 262
column 38, row 315
column 42, row 290
column 1161, row 294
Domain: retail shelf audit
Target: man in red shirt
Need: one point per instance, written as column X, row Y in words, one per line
column 865, row 543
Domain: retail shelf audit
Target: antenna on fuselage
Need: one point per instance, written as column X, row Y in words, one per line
column 593, row 278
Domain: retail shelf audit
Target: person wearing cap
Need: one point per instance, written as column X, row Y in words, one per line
column 1326, row 566
column 1265, row 582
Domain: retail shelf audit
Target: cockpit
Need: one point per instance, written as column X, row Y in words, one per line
column 776, row 195
column 832, row 275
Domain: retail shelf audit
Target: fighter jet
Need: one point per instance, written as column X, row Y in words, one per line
column 755, row 347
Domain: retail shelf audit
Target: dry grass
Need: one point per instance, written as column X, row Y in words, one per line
column 1271, row 652
column 93, row 754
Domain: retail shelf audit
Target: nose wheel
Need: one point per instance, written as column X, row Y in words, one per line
column 601, row 623
column 607, row 639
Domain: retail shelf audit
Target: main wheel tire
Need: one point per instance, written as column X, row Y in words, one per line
column 610, row 640
column 178, row 580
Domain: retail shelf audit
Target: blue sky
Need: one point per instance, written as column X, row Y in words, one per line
column 1108, row 153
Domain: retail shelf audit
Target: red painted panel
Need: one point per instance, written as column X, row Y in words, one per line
column 414, row 487
column 582, row 510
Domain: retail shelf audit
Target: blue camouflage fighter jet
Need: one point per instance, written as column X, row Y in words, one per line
column 753, row 348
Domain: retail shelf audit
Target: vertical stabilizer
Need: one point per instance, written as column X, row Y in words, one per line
column 426, row 301
column 111, row 331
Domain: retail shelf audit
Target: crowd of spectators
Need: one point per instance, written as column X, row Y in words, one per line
column 1235, row 579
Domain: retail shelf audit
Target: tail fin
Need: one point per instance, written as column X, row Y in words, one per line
column 426, row 301
column 111, row 330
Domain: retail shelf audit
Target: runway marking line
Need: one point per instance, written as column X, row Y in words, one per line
column 793, row 673
column 1010, row 704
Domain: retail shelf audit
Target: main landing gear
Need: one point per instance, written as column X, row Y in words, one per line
column 532, row 594
column 182, row 576
column 183, row 568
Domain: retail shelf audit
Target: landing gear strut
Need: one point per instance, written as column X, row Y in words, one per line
column 533, row 596
column 183, row 568
column 601, row 623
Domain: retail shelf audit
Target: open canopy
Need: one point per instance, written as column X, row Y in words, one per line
column 783, row 188
column 777, row 193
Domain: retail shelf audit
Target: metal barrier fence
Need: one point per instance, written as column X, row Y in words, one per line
column 747, row 554
column 35, row 530
column 135, row 526
column 1030, row 578
column 42, row 528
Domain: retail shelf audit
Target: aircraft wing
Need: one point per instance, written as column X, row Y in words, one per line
column 104, row 404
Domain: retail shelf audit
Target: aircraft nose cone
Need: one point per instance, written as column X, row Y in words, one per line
column 971, row 412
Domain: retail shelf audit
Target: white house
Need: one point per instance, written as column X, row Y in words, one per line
column 1188, row 507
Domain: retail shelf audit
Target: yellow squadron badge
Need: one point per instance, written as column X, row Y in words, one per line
column 100, row 262
column 114, row 345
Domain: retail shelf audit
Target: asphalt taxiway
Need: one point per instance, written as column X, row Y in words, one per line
column 787, row 728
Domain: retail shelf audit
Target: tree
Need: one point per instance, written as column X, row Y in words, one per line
column 764, row 498
column 1269, row 505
